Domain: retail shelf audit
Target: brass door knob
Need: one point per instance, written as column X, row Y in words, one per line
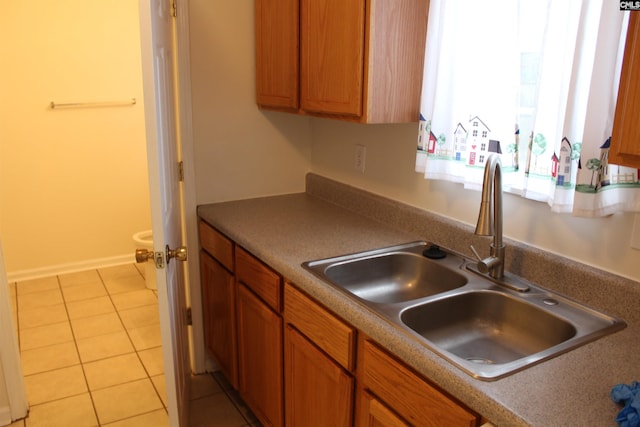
column 143, row 255
column 178, row 253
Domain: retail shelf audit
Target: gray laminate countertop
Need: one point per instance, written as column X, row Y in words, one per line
column 332, row 219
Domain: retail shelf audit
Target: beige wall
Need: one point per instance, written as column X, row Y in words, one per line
column 604, row 243
column 73, row 183
column 57, row 191
column 240, row 151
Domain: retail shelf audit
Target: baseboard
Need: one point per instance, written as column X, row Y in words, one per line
column 53, row 270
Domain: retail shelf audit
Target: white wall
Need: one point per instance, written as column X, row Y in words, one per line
column 240, row 151
column 73, row 183
column 390, row 157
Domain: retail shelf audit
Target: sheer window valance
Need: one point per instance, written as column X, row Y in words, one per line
column 536, row 82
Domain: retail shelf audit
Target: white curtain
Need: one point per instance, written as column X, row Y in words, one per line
column 536, row 82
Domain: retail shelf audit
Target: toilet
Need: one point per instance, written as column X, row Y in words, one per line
column 144, row 240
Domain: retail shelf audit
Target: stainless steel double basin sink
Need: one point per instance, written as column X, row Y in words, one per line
column 486, row 329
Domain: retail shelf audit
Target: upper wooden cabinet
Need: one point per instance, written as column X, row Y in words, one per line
column 356, row 60
column 277, row 53
column 331, row 56
column 625, row 139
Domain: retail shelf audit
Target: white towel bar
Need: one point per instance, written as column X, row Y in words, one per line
column 132, row 101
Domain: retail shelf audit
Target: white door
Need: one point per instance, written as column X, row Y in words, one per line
column 13, row 395
column 159, row 82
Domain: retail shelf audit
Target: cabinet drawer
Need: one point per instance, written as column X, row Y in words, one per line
column 416, row 400
column 372, row 412
column 216, row 244
column 266, row 283
column 331, row 334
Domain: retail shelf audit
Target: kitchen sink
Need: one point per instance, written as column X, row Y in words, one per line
column 394, row 277
column 486, row 329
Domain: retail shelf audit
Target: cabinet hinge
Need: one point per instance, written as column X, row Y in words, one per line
column 181, row 171
column 189, row 316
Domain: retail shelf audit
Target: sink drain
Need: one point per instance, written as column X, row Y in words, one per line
column 480, row 360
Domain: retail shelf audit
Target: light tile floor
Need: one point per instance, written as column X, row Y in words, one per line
column 92, row 355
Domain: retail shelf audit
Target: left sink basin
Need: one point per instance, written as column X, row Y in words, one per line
column 398, row 274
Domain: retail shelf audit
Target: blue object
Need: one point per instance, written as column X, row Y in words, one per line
column 629, row 396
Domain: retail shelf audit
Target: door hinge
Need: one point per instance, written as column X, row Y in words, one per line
column 189, row 316
column 181, row 171
column 174, row 8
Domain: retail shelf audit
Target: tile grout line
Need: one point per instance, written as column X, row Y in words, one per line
column 229, row 393
column 136, row 351
column 75, row 343
column 80, row 362
column 59, row 280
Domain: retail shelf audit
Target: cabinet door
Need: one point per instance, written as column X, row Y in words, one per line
column 417, row 401
column 260, row 357
column 218, row 297
column 625, row 139
column 373, row 413
column 332, row 56
column 277, row 53
column 318, row 392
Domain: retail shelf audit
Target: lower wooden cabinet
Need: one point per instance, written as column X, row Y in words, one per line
column 333, row 336
column 318, row 392
column 296, row 361
column 411, row 397
column 218, row 296
column 373, row 413
column 260, row 357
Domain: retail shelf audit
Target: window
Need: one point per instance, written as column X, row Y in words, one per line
column 538, row 79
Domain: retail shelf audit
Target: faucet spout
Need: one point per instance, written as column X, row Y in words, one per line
column 490, row 218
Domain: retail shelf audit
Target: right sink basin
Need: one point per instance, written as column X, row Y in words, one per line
column 490, row 332
column 486, row 329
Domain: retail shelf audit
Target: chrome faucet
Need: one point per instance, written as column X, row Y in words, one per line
column 490, row 219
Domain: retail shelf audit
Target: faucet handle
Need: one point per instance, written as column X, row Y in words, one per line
column 485, row 265
column 482, row 266
column 478, row 257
